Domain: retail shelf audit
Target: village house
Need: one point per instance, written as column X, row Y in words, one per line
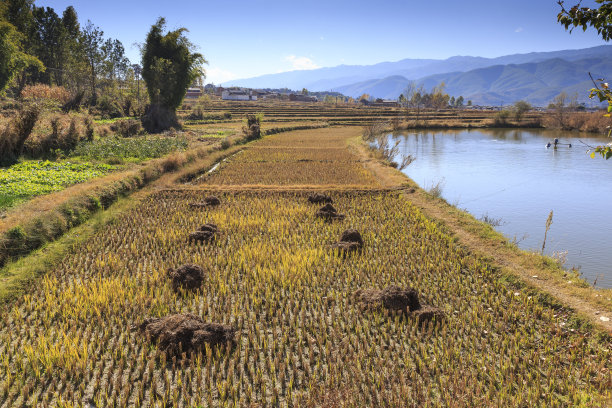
column 193, row 93
column 238, row 95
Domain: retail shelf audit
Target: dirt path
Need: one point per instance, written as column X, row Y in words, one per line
column 594, row 304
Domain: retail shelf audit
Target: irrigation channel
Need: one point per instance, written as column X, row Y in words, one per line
column 510, row 177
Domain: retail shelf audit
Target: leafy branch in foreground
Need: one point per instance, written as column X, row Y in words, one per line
column 600, row 19
column 604, row 95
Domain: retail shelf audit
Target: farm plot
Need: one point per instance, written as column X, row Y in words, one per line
column 32, row 178
column 296, row 158
column 301, row 337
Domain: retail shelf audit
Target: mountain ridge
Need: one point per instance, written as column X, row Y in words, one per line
column 537, row 83
column 348, row 79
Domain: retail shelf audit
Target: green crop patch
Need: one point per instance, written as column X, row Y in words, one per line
column 32, row 178
column 141, row 148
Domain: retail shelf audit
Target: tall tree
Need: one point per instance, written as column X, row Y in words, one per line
column 91, row 42
column 115, row 61
column 169, row 66
column 13, row 60
column 48, row 37
column 70, row 21
column 70, row 60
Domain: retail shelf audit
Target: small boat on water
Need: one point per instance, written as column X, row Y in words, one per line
column 557, row 143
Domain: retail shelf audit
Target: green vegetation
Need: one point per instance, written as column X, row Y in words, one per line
column 32, row 178
column 600, row 19
column 12, row 58
column 169, row 67
column 141, row 148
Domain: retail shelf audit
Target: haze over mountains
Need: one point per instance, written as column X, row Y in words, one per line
column 536, row 77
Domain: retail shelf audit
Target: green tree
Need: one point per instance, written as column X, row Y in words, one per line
column 601, row 20
column 459, row 101
column 520, row 108
column 169, row 66
column 48, row 38
column 72, row 61
column 91, row 42
column 451, row 102
column 13, row 60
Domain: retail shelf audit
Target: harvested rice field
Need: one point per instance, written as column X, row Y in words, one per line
column 307, row 157
column 213, row 295
column 301, row 337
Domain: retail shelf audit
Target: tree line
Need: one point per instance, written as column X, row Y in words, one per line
column 38, row 46
column 41, row 46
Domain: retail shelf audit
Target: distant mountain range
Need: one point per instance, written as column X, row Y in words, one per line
column 536, row 77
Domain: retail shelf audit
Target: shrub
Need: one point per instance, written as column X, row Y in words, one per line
column 225, row 144
column 501, row 118
column 127, row 128
column 373, row 129
column 14, row 135
column 70, row 139
column 40, row 91
column 109, row 108
column 252, row 130
column 74, row 103
column 89, row 129
column 173, row 162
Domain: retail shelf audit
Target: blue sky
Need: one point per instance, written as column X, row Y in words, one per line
column 246, row 38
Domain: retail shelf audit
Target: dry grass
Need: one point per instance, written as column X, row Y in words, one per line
column 40, row 91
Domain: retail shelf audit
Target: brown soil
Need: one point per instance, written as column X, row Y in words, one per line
column 350, row 241
column 351, row 235
column 319, row 198
column 391, row 297
column 398, row 299
column 201, row 236
column 183, row 333
column 188, row 277
column 210, row 201
column 205, row 233
column 428, row 313
column 329, row 213
column 209, row 227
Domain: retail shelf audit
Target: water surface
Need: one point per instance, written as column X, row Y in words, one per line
column 512, row 176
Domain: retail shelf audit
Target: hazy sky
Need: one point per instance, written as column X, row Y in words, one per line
column 245, row 38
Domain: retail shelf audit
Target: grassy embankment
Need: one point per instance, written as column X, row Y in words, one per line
column 302, row 339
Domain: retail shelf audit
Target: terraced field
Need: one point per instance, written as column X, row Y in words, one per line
column 350, row 115
column 302, row 335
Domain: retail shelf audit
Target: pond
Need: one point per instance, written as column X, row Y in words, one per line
column 510, row 176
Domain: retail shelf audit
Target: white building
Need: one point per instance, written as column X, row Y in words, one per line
column 238, row 95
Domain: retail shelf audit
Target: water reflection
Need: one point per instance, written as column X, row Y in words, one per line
column 510, row 174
